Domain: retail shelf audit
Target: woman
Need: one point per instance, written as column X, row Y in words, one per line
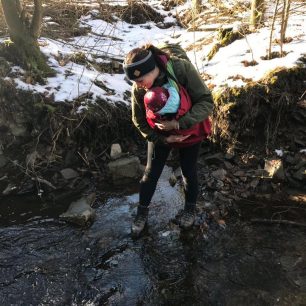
column 148, row 67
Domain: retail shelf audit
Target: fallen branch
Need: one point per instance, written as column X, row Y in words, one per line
column 269, row 221
column 43, row 181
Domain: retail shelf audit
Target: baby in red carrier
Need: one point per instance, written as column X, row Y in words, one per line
column 162, row 102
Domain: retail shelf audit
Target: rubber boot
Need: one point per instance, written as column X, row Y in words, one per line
column 140, row 220
column 188, row 215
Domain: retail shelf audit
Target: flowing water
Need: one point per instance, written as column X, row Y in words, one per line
column 44, row 261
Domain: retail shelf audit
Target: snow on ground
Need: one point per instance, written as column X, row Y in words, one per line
column 116, row 39
column 228, row 60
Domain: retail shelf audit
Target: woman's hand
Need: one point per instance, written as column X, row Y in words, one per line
column 176, row 138
column 166, row 125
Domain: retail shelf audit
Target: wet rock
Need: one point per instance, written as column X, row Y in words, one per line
column 291, row 159
column 116, row 151
column 243, row 178
column 18, row 130
column 124, row 168
column 295, row 183
column 172, row 180
column 69, row 174
column 228, row 165
column 219, row 174
column 236, row 180
column 275, row 169
column 208, row 205
column 239, row 173
column 211, row 184
column 300, row 164
column 245, row 194
column 205, row 194
column 299, row 140
column 80, row 212
column 300, row 174
column 289, row 262
column 254, row 183
column 215, row 214
column 175, row 176
column 178, row 172
column 201, row 219
column 70, row 158
column 220, row 198
column 219, row 185
column 229, row 156
column 29, row 186
column 260, row 173
column 216, row 158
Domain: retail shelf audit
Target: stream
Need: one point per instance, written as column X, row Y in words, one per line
column 46, row 261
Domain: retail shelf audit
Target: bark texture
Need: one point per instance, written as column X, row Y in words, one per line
column 24, row 30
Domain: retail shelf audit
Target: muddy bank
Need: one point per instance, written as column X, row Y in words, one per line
column 46, row 146
column 263, row 116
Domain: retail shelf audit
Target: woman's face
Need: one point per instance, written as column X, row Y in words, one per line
column 146, row 81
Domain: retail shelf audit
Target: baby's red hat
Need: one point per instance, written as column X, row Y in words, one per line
column 156, row 98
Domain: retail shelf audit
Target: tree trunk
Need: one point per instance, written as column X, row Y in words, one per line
column 272, row 29
column 24, row 33
column 285, row 17
column 257, row 12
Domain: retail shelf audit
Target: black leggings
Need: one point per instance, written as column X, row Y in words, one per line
column 188, row 161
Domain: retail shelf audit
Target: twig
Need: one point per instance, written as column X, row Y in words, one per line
column 289, row 207
column 4, row 177
column 302, row 96
column 84, row 158
column 272, row 28
column 269, row 221
column 43, row 181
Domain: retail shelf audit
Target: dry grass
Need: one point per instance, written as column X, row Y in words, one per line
column 63, row 16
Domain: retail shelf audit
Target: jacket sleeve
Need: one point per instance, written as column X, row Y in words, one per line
column 201, row 97
column 140, row 121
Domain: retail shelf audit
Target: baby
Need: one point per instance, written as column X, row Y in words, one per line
column 163, row 102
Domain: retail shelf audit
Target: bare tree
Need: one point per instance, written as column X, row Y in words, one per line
column 24, row 29
column 272, row 29
column 284, row 23
column 257, row 12
column 285, row 10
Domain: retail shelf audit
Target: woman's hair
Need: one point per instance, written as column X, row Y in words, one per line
column 140, row 53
